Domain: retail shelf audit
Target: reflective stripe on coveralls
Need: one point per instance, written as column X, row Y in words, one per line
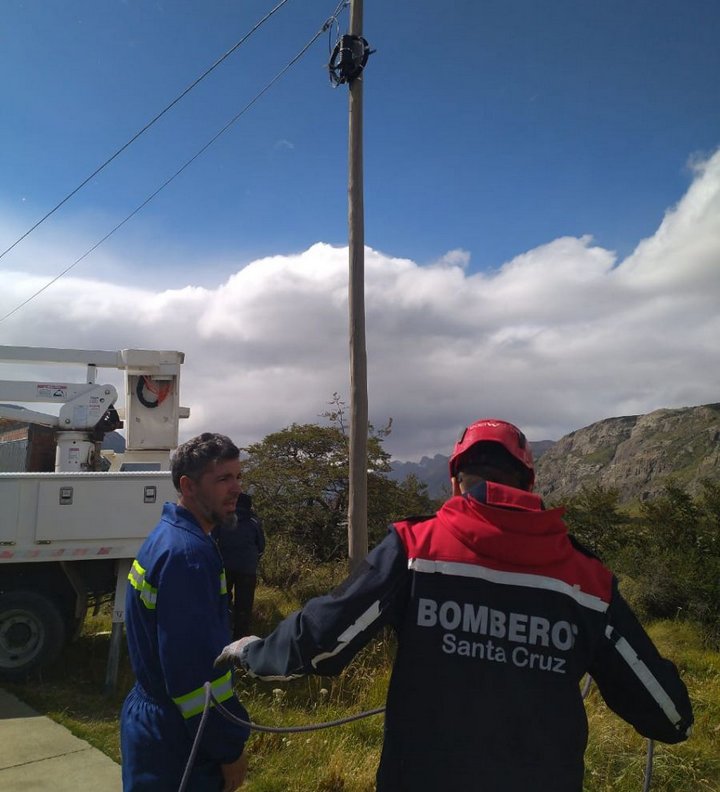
column 148, row 593
column 192, row 703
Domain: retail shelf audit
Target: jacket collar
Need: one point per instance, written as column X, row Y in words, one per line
column 181, row 517
column 506, row 524
column 492, row 494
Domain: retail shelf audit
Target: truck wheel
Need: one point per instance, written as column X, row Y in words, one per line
column 32, row 633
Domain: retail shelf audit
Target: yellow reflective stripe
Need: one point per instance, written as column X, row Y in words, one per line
column 192, row 704
column 222, row 687
column 148, row 593
column 136, row 575
column 223, row 583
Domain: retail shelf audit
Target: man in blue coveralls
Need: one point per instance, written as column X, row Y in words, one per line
column 176, row 619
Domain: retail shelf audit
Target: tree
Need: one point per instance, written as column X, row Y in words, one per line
column 667, row 554
column 299, row 480
column 594, row 518
column 674, row 519
column 676, row 565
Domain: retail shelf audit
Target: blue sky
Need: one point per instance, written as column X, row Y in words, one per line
column 493, row 131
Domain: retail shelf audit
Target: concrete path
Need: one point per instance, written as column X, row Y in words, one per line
column 37, row 754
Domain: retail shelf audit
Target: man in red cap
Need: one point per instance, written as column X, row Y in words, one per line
column 499, row 614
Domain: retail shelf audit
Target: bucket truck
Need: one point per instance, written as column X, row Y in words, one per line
column 68, row 537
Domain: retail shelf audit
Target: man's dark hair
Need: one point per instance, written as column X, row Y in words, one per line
column 491, row 462
column 193, row 458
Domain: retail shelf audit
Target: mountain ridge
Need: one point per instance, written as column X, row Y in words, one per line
column 637, row 455
column 434, row 472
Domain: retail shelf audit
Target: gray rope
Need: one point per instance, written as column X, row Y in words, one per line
column 210, row 700
column 649, row 764
column 196, row 742
column 293, row 729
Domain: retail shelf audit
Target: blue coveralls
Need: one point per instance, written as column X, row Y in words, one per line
column 176, row 620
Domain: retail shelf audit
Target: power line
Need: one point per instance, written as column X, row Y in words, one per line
column 148, row 125
column 233, row 120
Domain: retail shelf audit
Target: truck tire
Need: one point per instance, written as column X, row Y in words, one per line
column 32, row 633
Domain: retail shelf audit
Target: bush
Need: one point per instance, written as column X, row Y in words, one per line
column 292, row 568
column 667, row 556
column 671, row 564
column 595, row 519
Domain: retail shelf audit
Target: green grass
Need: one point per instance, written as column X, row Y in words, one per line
column 344, row 759
column 616, row 753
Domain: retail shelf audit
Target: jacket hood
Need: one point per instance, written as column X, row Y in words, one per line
column 508, row 525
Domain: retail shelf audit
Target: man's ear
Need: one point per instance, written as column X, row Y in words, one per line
column 187, row 486
column 455, row 487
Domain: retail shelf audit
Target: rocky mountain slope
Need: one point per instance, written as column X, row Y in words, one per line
column 635, row 454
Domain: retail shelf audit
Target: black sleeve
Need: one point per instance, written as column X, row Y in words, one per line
column 637, row 683
column 326, row 634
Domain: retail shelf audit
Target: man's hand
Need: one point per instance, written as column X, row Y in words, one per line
column 231, row 653
column 234, row 773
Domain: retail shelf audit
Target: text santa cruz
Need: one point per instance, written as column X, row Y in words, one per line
column 523, row 629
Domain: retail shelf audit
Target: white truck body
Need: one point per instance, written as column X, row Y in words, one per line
column 67, row 538
column 76, row 516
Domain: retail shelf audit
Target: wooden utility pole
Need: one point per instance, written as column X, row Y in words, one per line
column 357, row 505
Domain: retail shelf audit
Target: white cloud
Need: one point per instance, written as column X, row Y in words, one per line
column 455, row 258
column 284, row 145
column 559, row 337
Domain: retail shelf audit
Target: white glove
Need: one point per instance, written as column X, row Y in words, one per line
column 232, row 652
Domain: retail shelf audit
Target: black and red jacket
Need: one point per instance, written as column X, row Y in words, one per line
column 498, row 615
